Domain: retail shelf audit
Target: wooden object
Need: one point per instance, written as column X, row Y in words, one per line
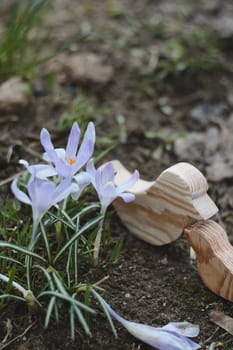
column 164, row 207
column 177, row 201
column 215, row 256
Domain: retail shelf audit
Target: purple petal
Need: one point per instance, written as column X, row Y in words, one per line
column 107, row 194
column 60, row 152
column 87, row 147
column 98, row 184
column 47, row 144
column 63, row 190
column 63, row 168
column 40, row 192
column 156, row 337
column 108, row 173
column 73, row 141
column 127, row 197
column 90, row 168
column 83, row 179
column 41, row 171
column 55, row 155
column 185, row 328
column 128, row 184
column 44, row 171
column 20, row 195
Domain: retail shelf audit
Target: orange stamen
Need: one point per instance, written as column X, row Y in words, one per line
column 72, row 161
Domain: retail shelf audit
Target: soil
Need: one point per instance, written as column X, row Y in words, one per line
column 160, row 108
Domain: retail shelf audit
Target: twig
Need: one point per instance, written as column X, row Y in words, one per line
column 9, row 328
column 211, row 337
column 28, row 149
column 10, row 178
column 17, row 337
column 101, row 280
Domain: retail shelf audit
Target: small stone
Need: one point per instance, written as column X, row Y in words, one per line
column 127, row 295
column 84, row 68
column 14, row 93
column 164, row 261
column 204, row 112
column 224, row 26
column 194, row 141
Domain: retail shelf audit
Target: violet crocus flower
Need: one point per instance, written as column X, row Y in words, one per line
column 173, row 336
column 103, row 180
column 42, row 195
column 42, row 171
column 69, row 161
column 82, row 180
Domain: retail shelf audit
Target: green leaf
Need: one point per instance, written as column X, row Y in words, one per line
column 22, row 250
column 85, row 228
column 69, row 299
column 105, row 310
column 50, row 307
column 16, row 297
column 116, row 251
column 11, row 260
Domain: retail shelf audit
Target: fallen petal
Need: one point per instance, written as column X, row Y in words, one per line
column 185, row 328
column 159, row 338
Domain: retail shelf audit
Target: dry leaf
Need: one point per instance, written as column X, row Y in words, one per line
column 222, row 320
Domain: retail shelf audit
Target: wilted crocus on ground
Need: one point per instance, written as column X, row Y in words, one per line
column 42, row 194
column 103, row 180
column 173, row 336
column 69, row 161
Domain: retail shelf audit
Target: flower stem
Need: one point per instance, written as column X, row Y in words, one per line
column 97, row 245
column 58, row 232
column 34, row 232
column 98, row 240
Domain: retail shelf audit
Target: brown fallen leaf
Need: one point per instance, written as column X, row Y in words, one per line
column 222, row 320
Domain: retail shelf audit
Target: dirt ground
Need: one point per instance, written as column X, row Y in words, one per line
column 162, row 84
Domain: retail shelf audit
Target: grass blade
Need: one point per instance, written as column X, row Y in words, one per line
column 50, row 307
column 105, row 310
column 72, row 323
column 11, row 260
column 116, row 251
column 16, row 297
column 85, row 228
column 46, row 241
column 22, row 250
column 67, row 298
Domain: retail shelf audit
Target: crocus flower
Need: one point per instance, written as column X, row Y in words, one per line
column 82, row 180
column 42, row 194
column 173, row 336
column 42, row 171
column 69, row 161
column 103, row 180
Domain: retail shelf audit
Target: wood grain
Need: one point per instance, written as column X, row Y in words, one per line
column 164, row 207
column 215, row 256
